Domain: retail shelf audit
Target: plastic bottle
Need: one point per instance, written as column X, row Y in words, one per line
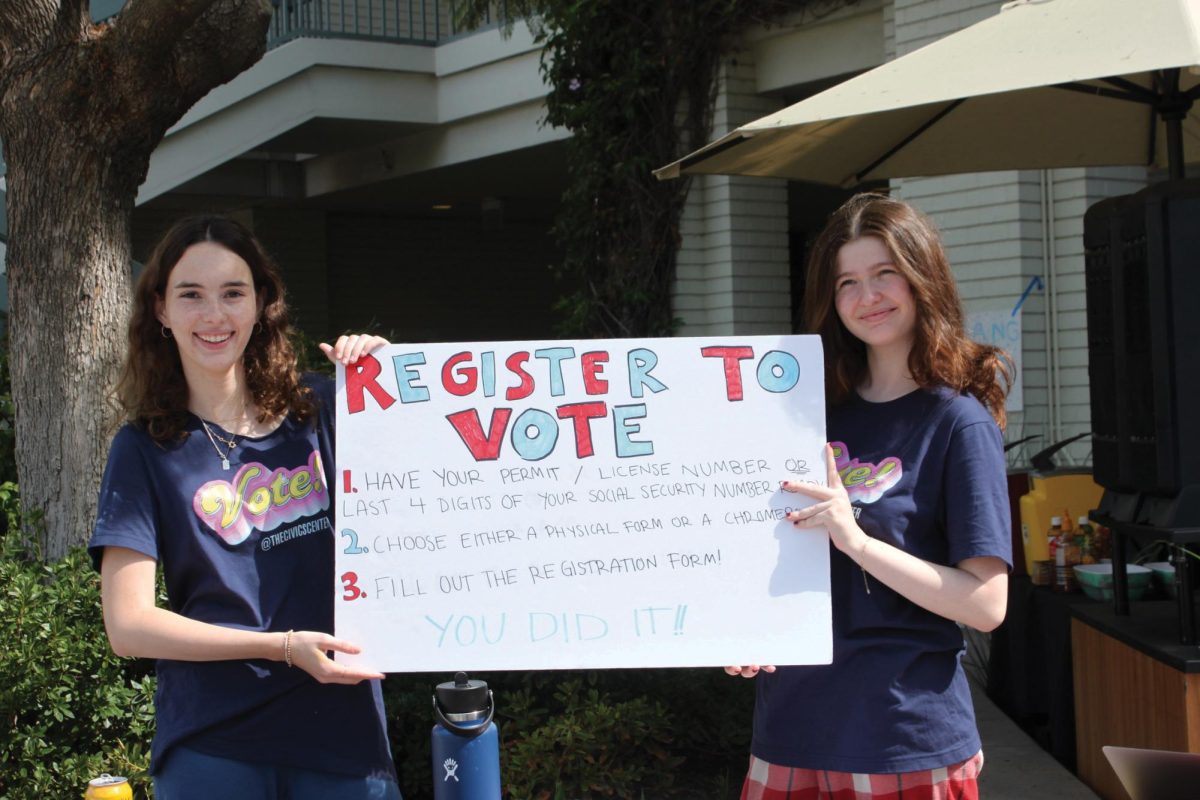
column 1074, row 556
column 1087, row 542
column 1066, row 556
column 1102, row 543
column 1043, row 574
column 1053, row 534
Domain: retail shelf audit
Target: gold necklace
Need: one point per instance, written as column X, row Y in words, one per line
column 230, row 444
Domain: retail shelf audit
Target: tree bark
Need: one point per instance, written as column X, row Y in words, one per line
column 68, row 266
column 81, row 109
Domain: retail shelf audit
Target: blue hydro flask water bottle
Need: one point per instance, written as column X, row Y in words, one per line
column 466, row 743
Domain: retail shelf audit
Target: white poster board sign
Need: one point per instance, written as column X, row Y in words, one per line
column 1001, row 327
column 586, row 504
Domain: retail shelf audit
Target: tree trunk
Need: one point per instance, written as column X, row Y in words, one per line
column 82, row 106
column 69, row 288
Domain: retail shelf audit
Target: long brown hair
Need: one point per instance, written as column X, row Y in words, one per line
column 152, row 388
column 941, row 354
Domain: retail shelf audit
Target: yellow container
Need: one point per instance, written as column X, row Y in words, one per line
column 108, row 787
column 1053, row 494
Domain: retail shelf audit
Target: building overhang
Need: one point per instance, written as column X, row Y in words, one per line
column 324, row 115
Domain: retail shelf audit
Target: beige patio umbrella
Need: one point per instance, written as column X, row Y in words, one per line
column 1043, row 83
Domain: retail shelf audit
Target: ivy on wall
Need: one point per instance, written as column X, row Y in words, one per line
column 634, row 81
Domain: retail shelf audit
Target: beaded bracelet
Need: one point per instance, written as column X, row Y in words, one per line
column 287, row 648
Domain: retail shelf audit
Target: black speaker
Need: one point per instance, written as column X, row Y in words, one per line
column 1142, row 268
column 1101, row 238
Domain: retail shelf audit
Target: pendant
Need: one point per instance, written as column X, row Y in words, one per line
column 225, row 464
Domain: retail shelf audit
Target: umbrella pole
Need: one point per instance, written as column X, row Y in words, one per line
column 1173, row 107
column 1175, row 166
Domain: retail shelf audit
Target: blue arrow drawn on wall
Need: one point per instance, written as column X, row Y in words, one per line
column 1034, row 283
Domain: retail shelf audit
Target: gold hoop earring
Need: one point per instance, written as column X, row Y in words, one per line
column 166, row 332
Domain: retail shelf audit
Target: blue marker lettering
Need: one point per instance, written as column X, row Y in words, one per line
column 406, row 377
column 624, row 428
column 641, row 362
column 778, row 371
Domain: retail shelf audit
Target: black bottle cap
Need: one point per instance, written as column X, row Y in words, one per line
column 461, row 695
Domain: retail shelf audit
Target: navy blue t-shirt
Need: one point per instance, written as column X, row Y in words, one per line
column 248, row 548
column 925, row 473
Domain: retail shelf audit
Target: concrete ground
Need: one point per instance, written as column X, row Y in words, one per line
column 1015, row 767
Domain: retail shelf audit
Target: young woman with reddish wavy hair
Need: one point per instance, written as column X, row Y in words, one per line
column 916, row 510
column 941, row 354
column 221, row 477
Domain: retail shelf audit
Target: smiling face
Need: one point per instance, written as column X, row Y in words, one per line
column 210, row 305
column 873, row 300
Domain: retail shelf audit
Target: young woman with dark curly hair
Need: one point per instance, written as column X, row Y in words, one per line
column 221, row 477
column 916, row 509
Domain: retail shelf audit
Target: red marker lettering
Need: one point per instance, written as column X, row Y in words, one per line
column 361, row 375
column 525, row 388
column 483, row 447
column 733, row 370
column 580, row 414
column 468, row 375
column 593, row 366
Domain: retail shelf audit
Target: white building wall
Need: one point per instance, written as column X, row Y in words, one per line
column 889, row 30
column 919, row 22
column 732, row 267
column 992, row 227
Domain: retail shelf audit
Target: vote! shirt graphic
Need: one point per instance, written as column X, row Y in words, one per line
column 262, row 498
column 866, row 482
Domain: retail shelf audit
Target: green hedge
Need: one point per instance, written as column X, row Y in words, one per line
column 72, row 710
column 681, row 733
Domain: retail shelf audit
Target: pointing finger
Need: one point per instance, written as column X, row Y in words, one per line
column 805, row 516
column 831, row 465
column 813, row 490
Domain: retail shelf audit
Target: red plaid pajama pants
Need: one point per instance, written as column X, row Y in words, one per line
column 773, row 782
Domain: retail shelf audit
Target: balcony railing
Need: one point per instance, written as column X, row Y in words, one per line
column 407, row 21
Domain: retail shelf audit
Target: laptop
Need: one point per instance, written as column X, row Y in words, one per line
column 1156, row 774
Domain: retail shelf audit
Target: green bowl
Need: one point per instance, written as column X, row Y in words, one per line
column 1096, row 580
column 1164, row 576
